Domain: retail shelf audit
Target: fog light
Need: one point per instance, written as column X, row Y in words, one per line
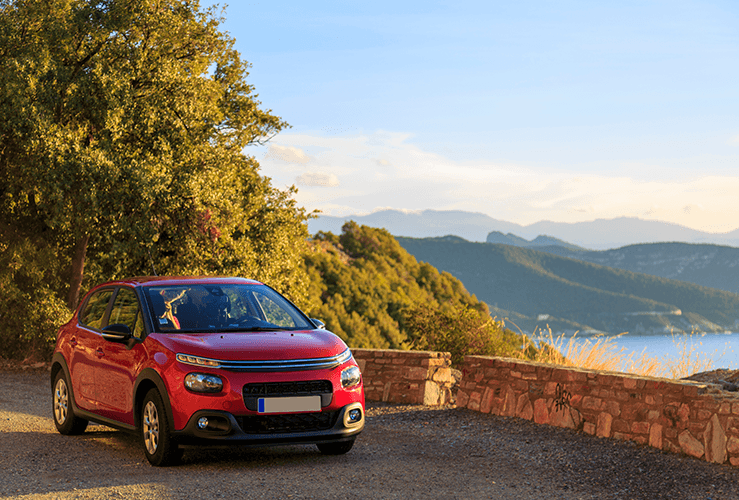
column 355, row 415
column 202, row 422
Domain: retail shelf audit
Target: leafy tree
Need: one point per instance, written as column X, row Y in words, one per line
column 362, row 281
column 462, row 331
column 122, row 130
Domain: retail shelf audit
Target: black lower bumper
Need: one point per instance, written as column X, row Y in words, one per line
column 223, row 428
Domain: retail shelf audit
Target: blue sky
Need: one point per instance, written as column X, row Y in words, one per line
column 525, row 111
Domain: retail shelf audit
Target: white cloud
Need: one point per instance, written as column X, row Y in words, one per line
column 317, row 179
column 287, row 154
column 386, row 170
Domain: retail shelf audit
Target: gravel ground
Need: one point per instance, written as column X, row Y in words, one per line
column 404, row 452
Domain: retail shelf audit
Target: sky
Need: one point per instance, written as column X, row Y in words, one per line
column 526, row 111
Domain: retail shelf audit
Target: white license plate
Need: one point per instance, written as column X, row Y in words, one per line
column 290, row 405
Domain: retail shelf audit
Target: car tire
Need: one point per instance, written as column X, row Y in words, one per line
column 335, row 448
column 65, row 420
column 160, row 447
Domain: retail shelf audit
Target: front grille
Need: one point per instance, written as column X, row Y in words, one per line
column 252, row 392
column 296, row 422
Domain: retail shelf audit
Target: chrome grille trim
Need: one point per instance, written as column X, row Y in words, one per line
column 281, row 365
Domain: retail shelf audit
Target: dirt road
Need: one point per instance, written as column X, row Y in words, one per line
column 405, row 452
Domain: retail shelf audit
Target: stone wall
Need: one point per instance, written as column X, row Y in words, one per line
column 678, row 416
column 411, row 377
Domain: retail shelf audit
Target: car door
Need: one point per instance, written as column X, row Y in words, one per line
column 85, row 343
column 119, row 363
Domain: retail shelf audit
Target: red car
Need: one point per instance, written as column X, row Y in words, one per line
column 185, row 361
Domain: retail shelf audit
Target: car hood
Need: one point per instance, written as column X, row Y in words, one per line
column 256, row 346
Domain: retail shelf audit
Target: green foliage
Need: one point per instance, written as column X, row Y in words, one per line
column 362, row 282
column 122, row 130
column 462, row 331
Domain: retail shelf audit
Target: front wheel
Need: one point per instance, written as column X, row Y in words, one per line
column 335, row 448
column 159, row 446
column 64, row 418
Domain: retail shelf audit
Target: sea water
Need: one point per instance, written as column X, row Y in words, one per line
column 721, row 348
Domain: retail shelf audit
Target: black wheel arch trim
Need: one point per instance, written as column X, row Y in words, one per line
column 151, row 375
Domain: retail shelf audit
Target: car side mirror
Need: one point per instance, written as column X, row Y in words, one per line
column 318, row 323
column 117, row 332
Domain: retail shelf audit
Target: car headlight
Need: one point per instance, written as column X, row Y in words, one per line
column 350, row 377
column 203, row 382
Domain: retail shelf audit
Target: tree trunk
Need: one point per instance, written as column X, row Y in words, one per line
column 78, row 268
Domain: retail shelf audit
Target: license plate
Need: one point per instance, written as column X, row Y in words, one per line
column 290, row 405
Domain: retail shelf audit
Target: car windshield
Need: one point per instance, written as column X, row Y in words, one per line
column 219, row 307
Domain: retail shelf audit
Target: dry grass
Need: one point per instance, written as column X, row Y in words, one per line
column 602, row 353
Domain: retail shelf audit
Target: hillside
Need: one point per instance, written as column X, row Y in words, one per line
column 712, row 266
column 534, row 288
column 362, row 284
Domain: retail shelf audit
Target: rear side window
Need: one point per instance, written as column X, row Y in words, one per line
column 94, row 311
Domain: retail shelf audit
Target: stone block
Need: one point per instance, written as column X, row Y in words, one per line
column 620, row 425
column 462, row 399
column 724, row 409
column 653, row 415
column 605, row 421
column 690, row 390
column 541, row 411
column 640, row 427
column 524, row 409
column 629, row 383
column 690, row 445
column 589, row 428
column 486, row 402
column 732, row 445
column 443, row 375
column 515, row 374
column 415, row 373
column 433, row 394
column 509, row 403
column 591, row 403
column 714, row 440
column 622, row 436
column 606, row 394
column 551, row 388
column 614, row 408
column 703, row 414
column 655, row 436
column 520, row 385
column 683, row 413
column 735, row 408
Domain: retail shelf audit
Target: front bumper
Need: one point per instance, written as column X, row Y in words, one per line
column 224, row 428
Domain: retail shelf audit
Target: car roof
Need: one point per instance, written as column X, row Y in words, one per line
column 183, row 280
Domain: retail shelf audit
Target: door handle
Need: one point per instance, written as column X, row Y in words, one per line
column 100, row 352
column 73, row 342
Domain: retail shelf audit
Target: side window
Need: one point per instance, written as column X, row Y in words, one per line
column 95, row 308
column 126, row 310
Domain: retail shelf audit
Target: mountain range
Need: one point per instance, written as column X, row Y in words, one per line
column 600, row 234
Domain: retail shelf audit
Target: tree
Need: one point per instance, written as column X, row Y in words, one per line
column 123, row 125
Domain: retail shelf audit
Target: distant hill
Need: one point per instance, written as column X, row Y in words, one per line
column 534, row 288
column 536, row 243
column 706, row 265
column 600, row 234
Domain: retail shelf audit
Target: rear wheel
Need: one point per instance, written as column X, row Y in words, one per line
column 159, row 446
column 335, row 448
column 64, row 418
